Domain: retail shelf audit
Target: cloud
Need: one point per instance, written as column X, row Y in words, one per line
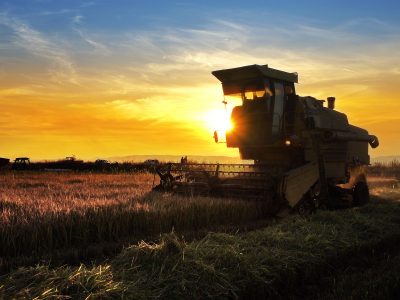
column 233, row 25
column 58, row 12
column 77, row 19
column 223, row 43
column 152, row 63
column 138, row 59
column 35, row 43
column 88, row 3
column 97, row 46
column 156, row 83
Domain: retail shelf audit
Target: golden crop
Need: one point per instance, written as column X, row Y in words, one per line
column 41, row 212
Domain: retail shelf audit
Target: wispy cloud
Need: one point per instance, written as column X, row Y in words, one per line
column 77, row 19
column 35, row 43
column 138, row 76
column 98, row 47
column 57, row 12
column 326, row 58
column 88, row 3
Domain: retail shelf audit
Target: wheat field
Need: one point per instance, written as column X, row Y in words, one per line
column 57, row 229
column 42, row 212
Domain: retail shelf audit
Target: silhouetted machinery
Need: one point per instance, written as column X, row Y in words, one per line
column 21, row 163
column 4, row 162
column 305, row 154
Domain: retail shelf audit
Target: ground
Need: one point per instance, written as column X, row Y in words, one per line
column 97, row 235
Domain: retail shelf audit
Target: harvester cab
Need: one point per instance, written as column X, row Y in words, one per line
column 305, row 154
column 264, row 122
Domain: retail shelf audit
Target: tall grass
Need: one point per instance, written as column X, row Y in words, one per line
column 285, row 261
column 41, row 212
column 390, row 169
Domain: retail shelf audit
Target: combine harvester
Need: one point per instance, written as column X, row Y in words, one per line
column 305, row 154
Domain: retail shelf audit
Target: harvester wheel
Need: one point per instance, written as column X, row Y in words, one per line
column 311, row 200
column 304, row 209
column 307, row 205
column 360, row 193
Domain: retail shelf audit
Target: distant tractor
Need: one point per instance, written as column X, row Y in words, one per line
column 21, row 163
column 305, row 154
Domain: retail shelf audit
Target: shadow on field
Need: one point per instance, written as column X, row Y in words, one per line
column 298, row 258
column 327, row 255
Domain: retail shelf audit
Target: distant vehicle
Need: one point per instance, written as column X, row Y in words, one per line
column 21, row 163
column 4, row 162
column 22, row 160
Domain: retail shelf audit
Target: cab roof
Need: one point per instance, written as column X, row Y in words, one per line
column 253, row 72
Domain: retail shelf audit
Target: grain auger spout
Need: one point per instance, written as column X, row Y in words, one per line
column 352, row 135
column 304, row 152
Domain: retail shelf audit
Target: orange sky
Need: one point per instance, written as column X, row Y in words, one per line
column 101, row 94
column 175, row 120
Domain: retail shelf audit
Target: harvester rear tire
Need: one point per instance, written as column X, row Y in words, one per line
column 307, row 205
column 360, row 194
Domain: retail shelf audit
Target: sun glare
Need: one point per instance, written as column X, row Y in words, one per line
column 218, row 119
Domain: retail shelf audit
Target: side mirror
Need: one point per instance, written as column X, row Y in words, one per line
column 215, row 136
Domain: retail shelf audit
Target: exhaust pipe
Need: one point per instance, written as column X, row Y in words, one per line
column 331, row 102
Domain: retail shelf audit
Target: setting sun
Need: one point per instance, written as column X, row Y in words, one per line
column 218, row 120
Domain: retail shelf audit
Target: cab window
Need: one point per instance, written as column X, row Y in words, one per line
column 278, row 108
